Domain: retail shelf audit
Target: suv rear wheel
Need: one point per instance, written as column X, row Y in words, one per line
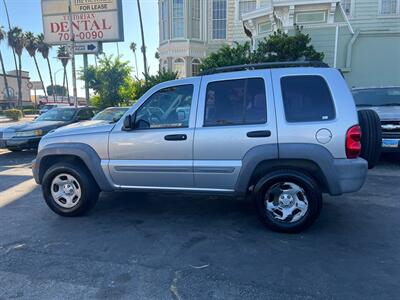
column 69, row 189
column 287, row 200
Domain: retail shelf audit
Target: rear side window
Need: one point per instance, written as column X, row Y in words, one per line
column 307, row 99
column 235, row 102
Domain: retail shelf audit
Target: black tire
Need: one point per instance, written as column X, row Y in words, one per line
column 89, row 189
column 311, row 190
column 371, row 136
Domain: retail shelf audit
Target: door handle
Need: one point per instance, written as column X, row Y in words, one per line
column 176, row 137
column 259, row 134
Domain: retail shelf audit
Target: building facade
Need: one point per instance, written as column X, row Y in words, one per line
column 13, row 90
column 360, row 37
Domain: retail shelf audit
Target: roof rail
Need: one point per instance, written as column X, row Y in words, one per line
column 268, row 65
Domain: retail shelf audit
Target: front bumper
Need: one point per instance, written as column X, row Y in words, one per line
column 350, row 175
column 23, row 143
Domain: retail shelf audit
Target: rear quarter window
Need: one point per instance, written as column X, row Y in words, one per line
column 307, row 98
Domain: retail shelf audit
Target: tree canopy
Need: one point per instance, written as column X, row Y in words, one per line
column 109, row 81
column 279, row 46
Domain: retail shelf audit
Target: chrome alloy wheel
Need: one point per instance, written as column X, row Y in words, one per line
column 66, row 190
column 286, row 201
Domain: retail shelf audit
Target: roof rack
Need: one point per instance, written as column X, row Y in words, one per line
column 269, row 65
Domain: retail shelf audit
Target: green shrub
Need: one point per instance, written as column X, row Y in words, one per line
column 14, row 114
column 30, row 111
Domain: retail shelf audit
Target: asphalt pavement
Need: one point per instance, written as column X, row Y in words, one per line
column 172, row 246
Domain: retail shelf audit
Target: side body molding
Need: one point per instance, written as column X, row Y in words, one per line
column 86, row 153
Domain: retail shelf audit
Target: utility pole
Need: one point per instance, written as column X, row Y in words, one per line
column 143, row 44
column 72, row 38
column 85, row 67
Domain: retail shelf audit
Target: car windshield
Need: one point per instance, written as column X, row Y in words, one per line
column 110, row 114
column 58, row 114
column 377, row 97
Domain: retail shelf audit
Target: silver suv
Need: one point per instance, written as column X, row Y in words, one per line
column 282, row 134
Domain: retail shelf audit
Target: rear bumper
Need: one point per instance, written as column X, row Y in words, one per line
column 350, row 175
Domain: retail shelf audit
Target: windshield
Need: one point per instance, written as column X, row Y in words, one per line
column 377, row 97
column 58, row 114
column 111, row 114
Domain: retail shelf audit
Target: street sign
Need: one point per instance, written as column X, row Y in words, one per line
column 87, row 48
column 92, row 20
column 36, row 85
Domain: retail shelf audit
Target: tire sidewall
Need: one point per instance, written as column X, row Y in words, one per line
column 309, row 186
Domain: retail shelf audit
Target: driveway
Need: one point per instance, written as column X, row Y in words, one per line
column 170, row 246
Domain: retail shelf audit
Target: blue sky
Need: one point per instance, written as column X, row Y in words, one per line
column 27, row 15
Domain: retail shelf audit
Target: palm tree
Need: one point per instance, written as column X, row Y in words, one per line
column 44, row 49
column 63, row 55
column 2, row 38
column 133, row 47
column 32, row 46
column 143, row 44
column 16, row 40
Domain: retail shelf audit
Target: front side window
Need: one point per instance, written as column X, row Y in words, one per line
column 167, row 108
column 178, row 23
column 389, row 7
column 219, row 19
column 307, row 99
column 235, row 102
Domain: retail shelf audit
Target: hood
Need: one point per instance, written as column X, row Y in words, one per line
column 86, row 127
column 44, row 125
column 386, row 113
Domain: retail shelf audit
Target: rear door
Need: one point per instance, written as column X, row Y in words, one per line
column 236, row 113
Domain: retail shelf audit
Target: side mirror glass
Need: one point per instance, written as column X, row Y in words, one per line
column 127, row 123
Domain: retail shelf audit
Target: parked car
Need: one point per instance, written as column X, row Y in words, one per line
column 385, row 101
column 28, row 135
column 110, row 114
column 45, row 108
column 280, row 133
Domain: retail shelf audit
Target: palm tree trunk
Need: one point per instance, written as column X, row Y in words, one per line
column 5, row 77
column 40, row 76
column 137, row 71
column 66, row 80
column 19, row 77
column 64, row 73
column 143, row 44
column 9, row 28
column 51, row 79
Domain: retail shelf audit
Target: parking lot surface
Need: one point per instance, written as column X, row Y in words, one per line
column 172, row 246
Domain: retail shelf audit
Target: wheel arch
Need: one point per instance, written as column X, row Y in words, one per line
column 72, row 152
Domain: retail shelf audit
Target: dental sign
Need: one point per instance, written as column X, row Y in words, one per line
column 92, row 21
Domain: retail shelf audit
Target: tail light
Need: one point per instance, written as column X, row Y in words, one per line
column 353, row 142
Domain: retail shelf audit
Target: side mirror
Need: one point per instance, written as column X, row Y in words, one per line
column 127, row 123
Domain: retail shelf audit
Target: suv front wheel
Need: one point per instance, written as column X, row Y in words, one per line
column 288, row 200
column 69, row 189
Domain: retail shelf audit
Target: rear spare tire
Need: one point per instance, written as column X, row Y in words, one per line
column 371, row 138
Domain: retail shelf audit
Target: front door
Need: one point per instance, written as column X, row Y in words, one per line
column 158, row 152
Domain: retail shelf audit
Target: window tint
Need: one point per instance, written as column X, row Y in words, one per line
column 167, row 108
column 84, row 114
column 235, row 102
column 307, row 99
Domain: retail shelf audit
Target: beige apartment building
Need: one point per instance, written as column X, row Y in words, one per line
column 346, row 31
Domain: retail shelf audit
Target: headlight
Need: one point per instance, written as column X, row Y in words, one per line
column 38, row 132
